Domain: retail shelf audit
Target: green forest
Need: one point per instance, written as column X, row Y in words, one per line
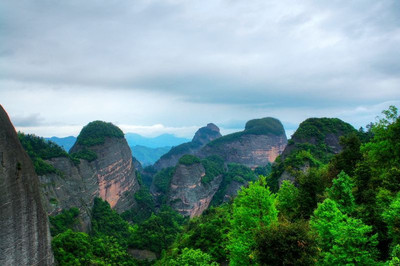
column 344, row 209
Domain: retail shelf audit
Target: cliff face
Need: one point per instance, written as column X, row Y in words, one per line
column 116, row 181
column 187, row 194
column 24, row 234
column 259, row 144
column 111, row 176
column 203, row 136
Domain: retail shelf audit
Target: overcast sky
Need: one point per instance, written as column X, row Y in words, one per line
column 155, row 67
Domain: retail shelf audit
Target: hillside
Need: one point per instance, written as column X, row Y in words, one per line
column 313, row 144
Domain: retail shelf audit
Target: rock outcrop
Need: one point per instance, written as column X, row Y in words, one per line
column 114, row 172
column 24, row 234
column 109, row 174
column 203, row 136
column 260, row 143
column 188, row 194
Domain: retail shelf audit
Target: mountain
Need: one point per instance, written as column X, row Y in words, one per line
column 66, row 143
column 100, row 164
column 24, row 234
column 203, row 136
column 314, row 143
column 194, row 184
column 148, row 156
column 164, row 140
column 258, row 144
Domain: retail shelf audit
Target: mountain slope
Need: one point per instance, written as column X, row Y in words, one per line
column 314, row 142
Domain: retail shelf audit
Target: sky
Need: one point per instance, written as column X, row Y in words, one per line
column 171, row 66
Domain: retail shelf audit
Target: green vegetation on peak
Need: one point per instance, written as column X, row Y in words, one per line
column 189, row 159
column 266, row 125
column 95, row 133
column 312, row 145
column 319, row 127
column 262, row 126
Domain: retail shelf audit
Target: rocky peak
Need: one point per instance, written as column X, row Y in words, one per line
column 112, row 162
column 100, row 164
column 24, row 234
column 206, row 134
column 202, row 137
column 259, row 143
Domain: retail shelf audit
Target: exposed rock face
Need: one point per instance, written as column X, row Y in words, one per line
column 255, row 146
column 203, row 136
column 111, row 176
column 70, row 190
column 188, row 195
column 206, row 134
column 114, row 171
column 24, row 234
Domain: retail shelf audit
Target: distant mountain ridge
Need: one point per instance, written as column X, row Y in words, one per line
column 164, row 140
column 148, row 156
column 66, row 143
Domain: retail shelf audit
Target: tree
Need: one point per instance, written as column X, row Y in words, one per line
column 341, row 193
column 192, row 257
column 72, row 248
column 343, row 240
column 286, row 244
column 395, row 261
column 392, row 218
column 253, row 209
column 287, row 199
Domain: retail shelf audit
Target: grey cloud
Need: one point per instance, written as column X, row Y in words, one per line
column 256, row 54
column 27, row 120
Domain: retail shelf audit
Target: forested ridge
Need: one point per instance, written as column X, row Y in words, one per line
column 343, row 210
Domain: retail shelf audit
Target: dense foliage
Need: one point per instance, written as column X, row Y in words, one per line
column 263, row 126
column 84, row 154
column 235, row 173
column 67, row 219
column 95, row 133
column 214, row 166
column 162, row 180
column 158, row 232
column 40, row 150
column 317, row 129
column 253, row 210
column 145, row 205
column 188, row 159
